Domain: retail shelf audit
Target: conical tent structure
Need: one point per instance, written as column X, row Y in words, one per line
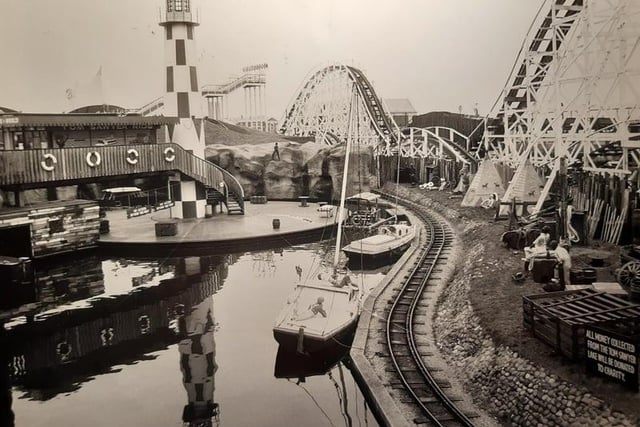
column 486, row 182
column 526, row 186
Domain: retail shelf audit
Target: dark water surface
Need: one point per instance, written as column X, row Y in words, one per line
column 121, row 342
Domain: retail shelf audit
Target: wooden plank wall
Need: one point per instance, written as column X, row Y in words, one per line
column 609, row 203
column 80, row 225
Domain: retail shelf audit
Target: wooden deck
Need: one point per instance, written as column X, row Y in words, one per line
column 221, row 233
column 60, row 166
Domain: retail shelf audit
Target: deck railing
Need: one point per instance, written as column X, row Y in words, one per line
column 55, row 165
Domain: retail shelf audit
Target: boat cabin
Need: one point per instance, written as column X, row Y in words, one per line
column 366, row 209
column 123, row 197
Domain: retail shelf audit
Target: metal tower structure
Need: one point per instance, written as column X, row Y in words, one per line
column 574, row 91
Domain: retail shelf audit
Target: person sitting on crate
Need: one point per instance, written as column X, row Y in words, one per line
column 564, row 262
column 539, row 247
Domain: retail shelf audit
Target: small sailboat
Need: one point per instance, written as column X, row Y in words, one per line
column 318, row 315
column 383, row 248
column 323, row 311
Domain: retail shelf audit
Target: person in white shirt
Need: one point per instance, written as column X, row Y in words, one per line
column 563, row 257
column 539, row 247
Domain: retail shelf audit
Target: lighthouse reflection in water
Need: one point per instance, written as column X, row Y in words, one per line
column 133, row 342
column 197, row 359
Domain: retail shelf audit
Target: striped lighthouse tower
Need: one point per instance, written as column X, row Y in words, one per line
column 182, row 99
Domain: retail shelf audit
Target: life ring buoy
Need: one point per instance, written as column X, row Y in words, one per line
column 63, row 349
column 144, row 323
column 93, row 158
column 132, row 156
column 169, row 154
column 356, row 219
column 48, row 162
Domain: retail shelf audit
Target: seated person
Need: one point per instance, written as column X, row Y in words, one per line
column 564, row 261
column 346, row 280
column 314, row 309
column 490, row 202
column 539, row 247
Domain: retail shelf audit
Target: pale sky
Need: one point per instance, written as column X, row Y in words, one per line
column 438, row 53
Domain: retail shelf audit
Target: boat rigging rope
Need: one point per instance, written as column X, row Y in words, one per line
column 314, row 401
column 340, row 399
column 344, row 392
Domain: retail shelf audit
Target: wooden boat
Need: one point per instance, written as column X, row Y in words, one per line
column 318, row 315
column 383, row 248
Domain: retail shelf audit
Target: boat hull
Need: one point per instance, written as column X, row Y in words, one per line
column 368, row 260
column 316, row 344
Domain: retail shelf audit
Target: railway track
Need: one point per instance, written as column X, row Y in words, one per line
column 418, row 381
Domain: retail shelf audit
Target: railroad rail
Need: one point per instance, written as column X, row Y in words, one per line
column 417, row 379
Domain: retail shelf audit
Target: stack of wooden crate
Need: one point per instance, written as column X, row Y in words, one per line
column 560, row 318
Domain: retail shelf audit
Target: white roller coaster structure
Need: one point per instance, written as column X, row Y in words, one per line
column 321, row 109
column 574, row 90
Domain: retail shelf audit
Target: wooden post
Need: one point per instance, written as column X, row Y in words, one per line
column 300, row 344
column 562, row 174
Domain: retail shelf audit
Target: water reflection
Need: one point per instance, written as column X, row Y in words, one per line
column 330, row 365
column 198, row 365
column 98, row 341
column 56, row 351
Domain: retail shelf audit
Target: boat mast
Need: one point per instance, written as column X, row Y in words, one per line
column 398, row 177
column 343, row 192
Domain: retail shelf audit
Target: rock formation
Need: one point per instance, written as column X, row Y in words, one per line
column 303, row 169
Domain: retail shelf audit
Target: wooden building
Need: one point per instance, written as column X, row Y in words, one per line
column 28, row 131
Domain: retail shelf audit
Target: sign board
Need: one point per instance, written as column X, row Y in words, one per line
column 612, row 356
column 9, row 121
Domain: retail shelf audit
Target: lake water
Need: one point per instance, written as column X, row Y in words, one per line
column 175, row 341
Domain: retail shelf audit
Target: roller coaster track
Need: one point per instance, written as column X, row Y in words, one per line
column 416, row 378
column 382, row 121
column 321, row 107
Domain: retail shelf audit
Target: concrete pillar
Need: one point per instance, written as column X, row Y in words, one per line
column 246, row 103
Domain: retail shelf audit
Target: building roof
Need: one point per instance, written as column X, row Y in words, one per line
column 399, row 105
column 62, row 120
column 99, row 108
column 6, row 110
column 465, row 124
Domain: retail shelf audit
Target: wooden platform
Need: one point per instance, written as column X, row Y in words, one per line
column 221, row 233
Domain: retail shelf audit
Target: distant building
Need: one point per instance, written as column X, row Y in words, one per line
column 26, row 131
column 401, row 110
column 463, row 123
column 261, row 124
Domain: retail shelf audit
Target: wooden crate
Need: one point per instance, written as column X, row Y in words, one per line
column 258, row 200
column 166, row 228
column 559, row 318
